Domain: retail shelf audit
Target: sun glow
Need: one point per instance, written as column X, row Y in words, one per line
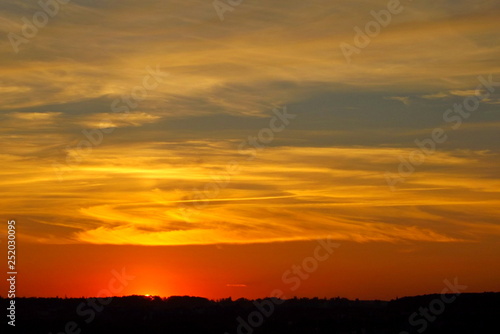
column 150, row 295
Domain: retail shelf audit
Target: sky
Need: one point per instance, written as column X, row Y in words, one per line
column 209, row 148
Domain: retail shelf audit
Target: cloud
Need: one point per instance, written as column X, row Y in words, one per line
column 109, row 120
column 207, row 55
column 35, row 116
column 436, row 96
column 463, row 93
column 31, row 121
column 236, row 285
column 323, row 175
column 403, row 99
column 290, row 193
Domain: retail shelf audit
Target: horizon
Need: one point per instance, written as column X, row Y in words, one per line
column 151, row 297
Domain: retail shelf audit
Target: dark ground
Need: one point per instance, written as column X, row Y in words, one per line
column 467, row 313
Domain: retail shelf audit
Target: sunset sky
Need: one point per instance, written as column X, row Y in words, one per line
column 206, row 150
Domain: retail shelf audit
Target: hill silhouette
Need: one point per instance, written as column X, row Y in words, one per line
column 467, row 313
